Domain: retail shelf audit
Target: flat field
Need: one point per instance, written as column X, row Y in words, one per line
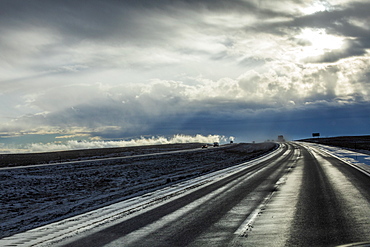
column 357, row 143
column 32, row 196
column 11, row 160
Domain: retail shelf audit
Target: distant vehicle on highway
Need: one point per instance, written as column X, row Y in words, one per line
column 216, row 144
column 205, row 146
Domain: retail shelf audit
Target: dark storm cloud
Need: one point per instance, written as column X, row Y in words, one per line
column 298, row 123
column 75, row 20
column 106, row 68
column 105, row 20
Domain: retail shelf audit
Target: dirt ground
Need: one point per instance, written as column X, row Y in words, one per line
column 35, row 196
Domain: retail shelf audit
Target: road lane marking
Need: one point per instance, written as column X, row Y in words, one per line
column 247, row 225
column 70, row 227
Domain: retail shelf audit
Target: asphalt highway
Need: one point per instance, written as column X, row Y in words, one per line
column 299, row 197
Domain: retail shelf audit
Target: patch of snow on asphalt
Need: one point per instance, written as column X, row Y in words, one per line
column 37, row 196
column 359, row 160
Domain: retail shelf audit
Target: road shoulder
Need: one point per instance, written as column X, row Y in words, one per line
column 272, row 224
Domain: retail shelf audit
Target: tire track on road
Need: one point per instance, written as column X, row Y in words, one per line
column 115, row 232
column 319, row 219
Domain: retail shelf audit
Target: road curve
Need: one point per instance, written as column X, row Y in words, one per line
column 206, row 217
column 321, row 201
column 299, row 197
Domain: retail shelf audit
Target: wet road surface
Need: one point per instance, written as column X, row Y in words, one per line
column 300, row 197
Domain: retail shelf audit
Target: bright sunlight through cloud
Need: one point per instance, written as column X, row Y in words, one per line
column 99, row 71
column 319, row 42
column 317, row 6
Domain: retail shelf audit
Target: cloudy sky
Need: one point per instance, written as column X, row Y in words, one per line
column 108, row 69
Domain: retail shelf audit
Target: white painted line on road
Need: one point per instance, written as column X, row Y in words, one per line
column 51, row 234
column 172, row 217
column 318, row 148
column 348, row 163
column 247, row 225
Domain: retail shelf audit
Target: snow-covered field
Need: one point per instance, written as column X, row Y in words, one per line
column 39, row 195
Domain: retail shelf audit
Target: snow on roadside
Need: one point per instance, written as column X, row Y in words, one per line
column 53, row 233
column 35, row 196
column 359, row 160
